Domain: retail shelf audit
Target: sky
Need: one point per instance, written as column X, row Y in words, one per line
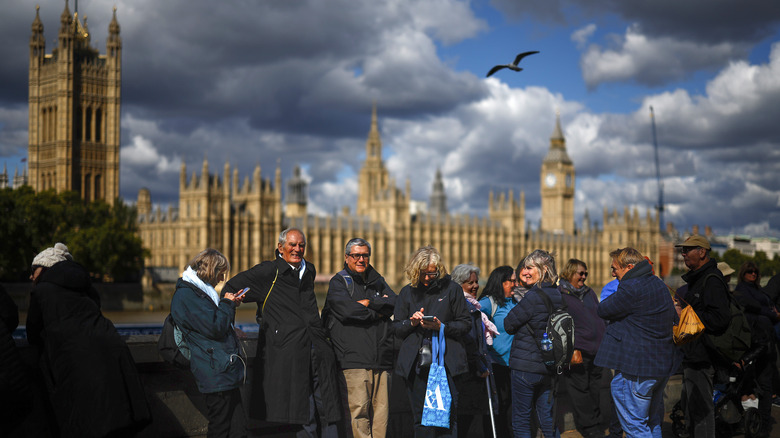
column 293, row 82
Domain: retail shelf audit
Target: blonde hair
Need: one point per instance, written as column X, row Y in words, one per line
column 571, row 268
column 209, row 265
column 626, row 256
column 419, row 262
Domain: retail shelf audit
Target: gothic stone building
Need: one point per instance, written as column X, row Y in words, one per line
column 74, row 100
column 243, row 219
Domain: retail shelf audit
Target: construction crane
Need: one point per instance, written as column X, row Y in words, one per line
column 660, row 206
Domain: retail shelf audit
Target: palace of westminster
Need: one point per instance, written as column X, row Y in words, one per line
column 74, row 136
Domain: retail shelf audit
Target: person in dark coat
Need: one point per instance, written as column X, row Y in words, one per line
column 638, row 343
column 206, row 323
column 15, row 389
column 430, row 292
column 294, row 377
column 357, row 312
column 583, row 379
column 531, row 380
column 93, row 383
column 709, row 296
column 763, row 315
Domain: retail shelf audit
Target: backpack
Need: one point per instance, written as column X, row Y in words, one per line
column 736, row 340
column 560, row 330
column 171, row 345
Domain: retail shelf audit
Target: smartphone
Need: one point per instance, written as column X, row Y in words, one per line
column 242, row 292
column 428, row 318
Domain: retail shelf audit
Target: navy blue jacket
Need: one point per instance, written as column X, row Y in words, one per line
column 638, row 340
column 362, row 336
column 208, row 331
column 530, row 312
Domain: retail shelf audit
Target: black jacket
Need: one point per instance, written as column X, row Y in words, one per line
column 291, row 342
column 710, row 299
column 443, row 299
column 361, row 336
column 94, row 386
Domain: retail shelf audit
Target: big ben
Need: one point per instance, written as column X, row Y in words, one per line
column 74, row 102
column 557, row 186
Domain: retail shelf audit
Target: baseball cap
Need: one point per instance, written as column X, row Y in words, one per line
column 694, row 241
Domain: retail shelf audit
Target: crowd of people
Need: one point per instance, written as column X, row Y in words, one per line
column 332, row 373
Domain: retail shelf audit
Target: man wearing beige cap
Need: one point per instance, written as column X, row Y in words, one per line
column 709, row 296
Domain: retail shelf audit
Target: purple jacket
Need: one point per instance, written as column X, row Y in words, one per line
column 583, row 307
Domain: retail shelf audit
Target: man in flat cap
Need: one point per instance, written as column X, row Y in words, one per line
column 709, row 296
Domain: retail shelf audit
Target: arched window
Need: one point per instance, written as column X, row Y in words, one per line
column 87, row 187
column 98, row 192
column 98, row 125
column 88, row 124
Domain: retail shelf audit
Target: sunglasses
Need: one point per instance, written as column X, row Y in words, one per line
column 687, row 249
column 583, row 273
column 431, row 275
column 360, row 256
column 752, row 271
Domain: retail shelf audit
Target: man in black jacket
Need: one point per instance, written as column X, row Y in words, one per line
column 709, row 296
column 357, row 311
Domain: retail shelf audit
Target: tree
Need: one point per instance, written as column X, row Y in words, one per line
column 100, row 237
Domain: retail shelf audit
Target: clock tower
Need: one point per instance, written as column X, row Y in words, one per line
column 557, row 186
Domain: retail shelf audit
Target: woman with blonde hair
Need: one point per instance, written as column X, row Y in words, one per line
column 531, row 380
column 206, row 322
column 430, row 292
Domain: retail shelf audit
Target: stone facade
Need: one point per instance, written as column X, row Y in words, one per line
column 74, row 103
column 244, row 220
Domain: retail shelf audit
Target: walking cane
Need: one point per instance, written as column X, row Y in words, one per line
column 490, row 404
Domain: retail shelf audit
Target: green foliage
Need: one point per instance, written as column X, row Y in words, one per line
column 101, row 237
column 766, row 267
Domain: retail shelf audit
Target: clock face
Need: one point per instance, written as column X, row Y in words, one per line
column 550, row 179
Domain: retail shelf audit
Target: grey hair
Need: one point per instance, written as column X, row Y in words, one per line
column 357, row 241
column 544, row 262
column 283, row 235
column 461, row 273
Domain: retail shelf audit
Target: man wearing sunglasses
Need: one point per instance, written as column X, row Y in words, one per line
column 709, row 296
column 357, row 312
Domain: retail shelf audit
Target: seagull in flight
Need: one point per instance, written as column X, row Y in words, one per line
column 512, row 66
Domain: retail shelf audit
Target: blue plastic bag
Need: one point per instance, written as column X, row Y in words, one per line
column 436, row 408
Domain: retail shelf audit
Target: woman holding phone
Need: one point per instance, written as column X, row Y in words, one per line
column 206, row 322
column 431, row 300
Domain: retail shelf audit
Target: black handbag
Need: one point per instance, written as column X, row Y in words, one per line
column 425, row 355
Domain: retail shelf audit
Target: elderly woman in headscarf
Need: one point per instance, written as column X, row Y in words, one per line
column 93, row 384
column 472, row 389
column 531, row 380
column 583, row 379
column 430, row 292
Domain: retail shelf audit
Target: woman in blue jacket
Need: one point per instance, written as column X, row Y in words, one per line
column 531, row 381
column 497, row 300
column 206, row 322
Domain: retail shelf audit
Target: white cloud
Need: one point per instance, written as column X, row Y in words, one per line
column 583, row 34
column 143, row 153
column 650, row 60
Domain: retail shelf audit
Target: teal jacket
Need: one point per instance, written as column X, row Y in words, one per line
column 216, row 361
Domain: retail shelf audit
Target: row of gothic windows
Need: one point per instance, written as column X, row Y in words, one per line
column 89, row 124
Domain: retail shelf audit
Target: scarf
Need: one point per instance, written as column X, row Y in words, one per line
column 488, row 327
column 191, row 277
column 573, row 291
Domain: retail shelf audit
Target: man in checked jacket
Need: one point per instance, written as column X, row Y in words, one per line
column 638, row 343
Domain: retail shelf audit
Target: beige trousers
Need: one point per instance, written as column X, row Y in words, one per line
column 367, row 401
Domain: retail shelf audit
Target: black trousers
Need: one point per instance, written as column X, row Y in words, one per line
column 416, row 386
column 583, row 384
column 503, row 377
column 226, row 414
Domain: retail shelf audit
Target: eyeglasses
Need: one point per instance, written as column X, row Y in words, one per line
column 687, row 249
column 357, row 256
column 583, row 274
column 431, row 274
column 752, row 271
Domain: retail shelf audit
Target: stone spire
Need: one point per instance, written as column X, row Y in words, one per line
column 296, row 198
column 438, row 202
column 374, row 143
column 557, row 152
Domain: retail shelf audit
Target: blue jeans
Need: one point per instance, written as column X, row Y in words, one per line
column 639, row 402
column 529, row 389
